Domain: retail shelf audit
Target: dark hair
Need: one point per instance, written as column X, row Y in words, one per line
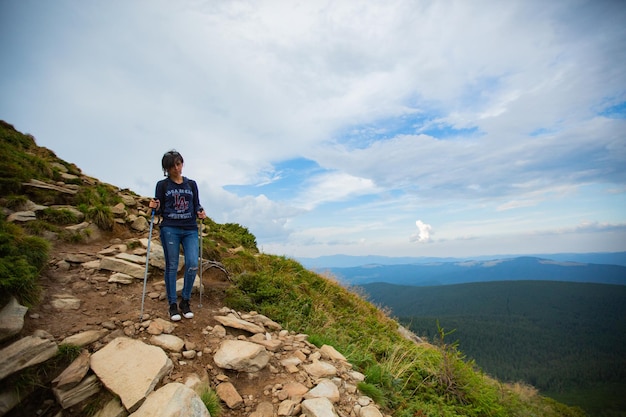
column 169, row 160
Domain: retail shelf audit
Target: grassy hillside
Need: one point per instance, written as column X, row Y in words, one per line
column 567, row 339
column 406, row 378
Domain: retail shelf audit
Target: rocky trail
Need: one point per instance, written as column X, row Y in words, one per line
column 93, row 297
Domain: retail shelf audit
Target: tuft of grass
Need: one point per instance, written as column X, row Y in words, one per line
column 59, row 216
column 211, row 400
column 16, row 202
column 102, row 216
column 71, row 237
column 68, row 352
column 372, row 391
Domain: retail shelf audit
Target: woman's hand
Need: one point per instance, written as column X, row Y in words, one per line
column 154, row 204
column 201, row 214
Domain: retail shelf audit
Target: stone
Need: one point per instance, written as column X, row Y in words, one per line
column 130, row 369
column 329, row 352
column 141, row 260
column 73, row 374
column 9, row 398
column 157, row 257
column 119, row 265
column 40, row 184
column 11, row 319
column 118, row 210
column 265, row 322
column 22, row 216
column 234, row 322
column 325, row 389
column 159, row 326
column 356, row 376
column 88, row 387
column 228, row 393
column 264, row 409
column 85, row 338
column 294, row 390
column 240, row 355
column 273, row 345
column 370, row 411
column 140, row 224
column 320, row 369
column 288, row 408
column 77, row 258
column 113, row 408
column 28, row 351
column 78, row 227
column 172, row 400
column 318, row 407
column 128, row 200
column 168, row 342
column 181, row 282
column 120, row 278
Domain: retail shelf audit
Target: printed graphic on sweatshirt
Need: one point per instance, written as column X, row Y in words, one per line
column 181, row 198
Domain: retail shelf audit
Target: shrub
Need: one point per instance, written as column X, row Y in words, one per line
column 22, row 257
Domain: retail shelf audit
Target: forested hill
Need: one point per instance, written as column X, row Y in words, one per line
column 514, row 269
column 567, row 339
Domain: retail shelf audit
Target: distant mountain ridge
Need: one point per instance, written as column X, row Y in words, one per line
column 345, row 261
column 460, row 272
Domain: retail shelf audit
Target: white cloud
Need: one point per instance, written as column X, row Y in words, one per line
column 333, row 187
column 423, row 234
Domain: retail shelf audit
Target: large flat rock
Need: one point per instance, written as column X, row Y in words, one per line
column 130, row 369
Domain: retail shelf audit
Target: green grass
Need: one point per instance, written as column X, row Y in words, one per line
column 210, row 400
column 22, row 258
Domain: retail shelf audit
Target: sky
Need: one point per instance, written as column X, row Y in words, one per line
column 380, row 127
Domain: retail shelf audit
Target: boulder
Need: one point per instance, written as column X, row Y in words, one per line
column 240, row 355
column 172, row 400
column 130, row 369
column 318, row 407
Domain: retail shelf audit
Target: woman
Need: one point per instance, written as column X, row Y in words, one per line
column 177, row 201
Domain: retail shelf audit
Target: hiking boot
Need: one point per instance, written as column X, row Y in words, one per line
column 184, row 306
column 174, row 314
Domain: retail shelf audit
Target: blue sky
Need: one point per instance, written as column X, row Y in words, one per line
column 397, row 128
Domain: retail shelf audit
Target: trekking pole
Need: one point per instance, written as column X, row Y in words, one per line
column 200, row 260
column 145, row 276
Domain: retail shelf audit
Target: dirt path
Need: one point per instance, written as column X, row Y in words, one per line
column 121, row 304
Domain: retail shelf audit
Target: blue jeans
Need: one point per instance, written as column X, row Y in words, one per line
column 171, row 239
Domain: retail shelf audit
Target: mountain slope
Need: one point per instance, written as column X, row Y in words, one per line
column 404, row 377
